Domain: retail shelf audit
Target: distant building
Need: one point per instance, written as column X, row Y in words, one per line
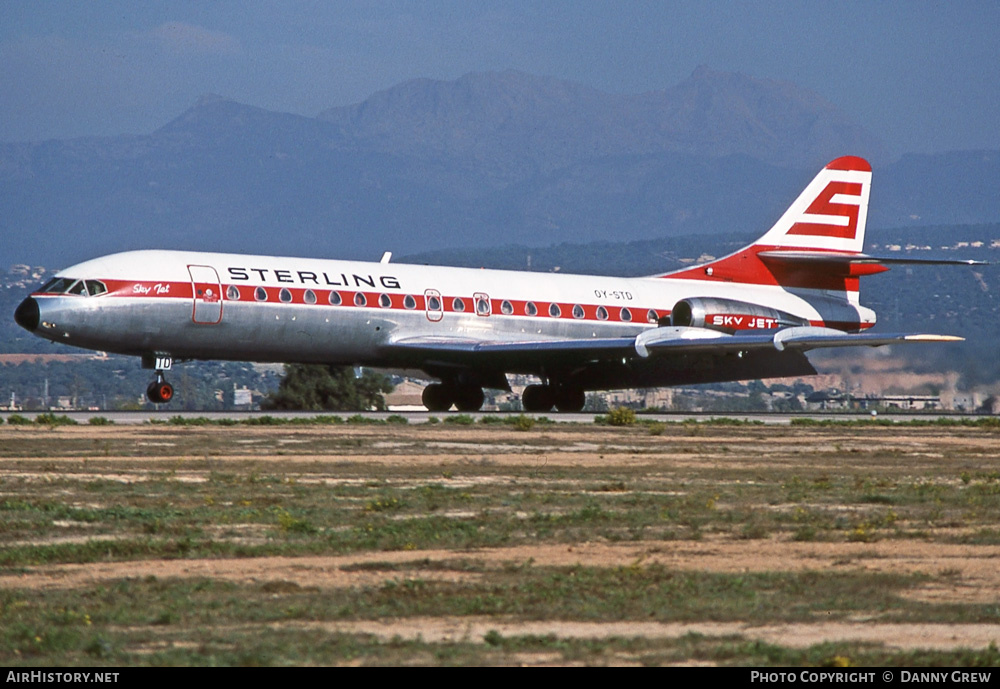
column 406, row 396
column 835, row 399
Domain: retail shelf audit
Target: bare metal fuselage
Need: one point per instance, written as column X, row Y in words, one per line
column 272, row 309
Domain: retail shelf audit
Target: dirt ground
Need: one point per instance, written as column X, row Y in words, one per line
column 975, row 576
column 977, row 572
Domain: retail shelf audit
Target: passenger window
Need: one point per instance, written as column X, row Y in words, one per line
column 260, row 294
column 458, row 304
column 233, row 293
column 578, row 311
column 506, row 307
column 384, row 301
column 335, row 299
column 530, row 309
column 626, row 315
column 651, row 316
column 309, row 297
column 409, row 302
column 554, row 310
column 285, row 296
column 602, row 313
column 360, row 299
column 434, row 303
column 483, row 307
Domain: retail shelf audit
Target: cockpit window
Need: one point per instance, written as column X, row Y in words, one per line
column 57, row 285
column 72, row 286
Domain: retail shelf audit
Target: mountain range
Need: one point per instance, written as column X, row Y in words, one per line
column 488, row 159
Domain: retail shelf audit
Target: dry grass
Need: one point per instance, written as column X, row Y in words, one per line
column 452, row 544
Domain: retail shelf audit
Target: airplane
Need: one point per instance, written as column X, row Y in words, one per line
column 750, row 315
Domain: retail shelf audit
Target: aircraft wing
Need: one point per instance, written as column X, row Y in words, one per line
column 804, row 338
column 656, row 341
column 595, row 348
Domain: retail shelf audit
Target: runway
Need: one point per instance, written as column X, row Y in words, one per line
column 418, row 417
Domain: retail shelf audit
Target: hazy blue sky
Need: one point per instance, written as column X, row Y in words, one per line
column 924, row 76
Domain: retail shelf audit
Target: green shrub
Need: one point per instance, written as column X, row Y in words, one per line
column 621, row 416
column 264, row 421
column 49, row 419
column 656, row 427
column 521, row 422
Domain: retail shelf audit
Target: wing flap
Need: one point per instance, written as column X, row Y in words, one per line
column 594, row 345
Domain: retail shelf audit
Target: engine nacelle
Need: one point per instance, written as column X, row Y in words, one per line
column 728, row 315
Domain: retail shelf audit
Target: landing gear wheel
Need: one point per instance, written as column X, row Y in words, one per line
column 570, row 400
column 469, row 398
column 160, row 392
column 537, row 398
column 437, row 397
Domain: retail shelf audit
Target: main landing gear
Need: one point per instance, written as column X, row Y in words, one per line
column 441, row 396
column 159, row 391
column 539, row 398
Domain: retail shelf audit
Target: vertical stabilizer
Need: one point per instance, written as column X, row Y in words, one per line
column 830, row 214
column 827, row 220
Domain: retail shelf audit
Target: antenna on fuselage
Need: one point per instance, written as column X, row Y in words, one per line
column 385, row 257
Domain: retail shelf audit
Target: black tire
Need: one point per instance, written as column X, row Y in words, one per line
column 469, row 398
column 537, row 398
column 570, row 400
column 437, row 397
column 160, row 393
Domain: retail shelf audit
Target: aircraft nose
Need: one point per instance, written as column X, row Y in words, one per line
column 27, row 315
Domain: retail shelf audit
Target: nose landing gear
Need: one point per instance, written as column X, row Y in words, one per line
column 159, row 391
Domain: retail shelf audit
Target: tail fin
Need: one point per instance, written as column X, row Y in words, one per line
column 827, row 220
column 830, row 214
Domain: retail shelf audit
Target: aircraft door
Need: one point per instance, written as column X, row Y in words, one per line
column 433, row 305
column 482, row 302
column 207, row 291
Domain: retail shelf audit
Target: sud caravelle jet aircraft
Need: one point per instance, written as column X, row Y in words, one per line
column 752, row 314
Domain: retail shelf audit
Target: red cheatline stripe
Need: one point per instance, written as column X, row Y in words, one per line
column 183, row 290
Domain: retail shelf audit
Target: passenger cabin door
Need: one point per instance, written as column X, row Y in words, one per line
column 207, row 291
column 483, row 304
column 433, row 305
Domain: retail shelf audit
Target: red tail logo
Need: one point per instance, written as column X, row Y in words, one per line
column 823, row 205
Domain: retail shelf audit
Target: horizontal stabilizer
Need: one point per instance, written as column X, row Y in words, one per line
column 834, row 257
